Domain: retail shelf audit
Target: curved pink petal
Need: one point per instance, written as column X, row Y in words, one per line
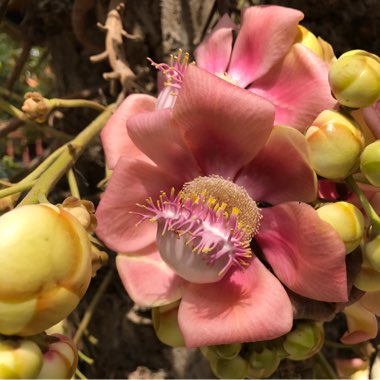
column 114, row 136
column 246, row 306
column 224, row 125
column 214, row 53
column 266, row 34
column 147, row 279
column 305, row 252
column 372, row 118
column 281, row 171
column 156, row 134
column 131, row 182
column 362, row 324
column 298, row 88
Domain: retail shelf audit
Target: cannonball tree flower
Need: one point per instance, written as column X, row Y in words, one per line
column 267, row 60
column 210, row 236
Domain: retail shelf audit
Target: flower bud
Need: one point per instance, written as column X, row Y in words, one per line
column 227, row 351
column 370, row 163
column 368, row 279
column 263, row 364
column 60, row 360
column 347, row 221
column 165, row 323
column 304, row 341
column 236, row 368
column 335, row 142
column 308, row 39
column 372, row 253
column 19, row 359
column 355, row 79
column 36, row 107
column 45, row 268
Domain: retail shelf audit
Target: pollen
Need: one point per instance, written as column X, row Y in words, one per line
column 232, row 197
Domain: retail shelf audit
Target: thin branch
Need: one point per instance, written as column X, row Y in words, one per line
column 23, row 58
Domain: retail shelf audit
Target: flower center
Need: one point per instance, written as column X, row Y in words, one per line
column 228, row 78
column 205, row 229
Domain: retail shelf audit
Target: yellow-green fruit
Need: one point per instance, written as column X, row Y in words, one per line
column 45, row 268
column 165, row 323
column 370, row 163
column 335, row 143
column 236, row 368
column 372, row 253
column 60, row 360
column 355, row 79
column 304, row 341
column 263, row 364
column 347, row 221
column 19, row 359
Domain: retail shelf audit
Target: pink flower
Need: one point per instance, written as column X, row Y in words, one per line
column 218, row 145
column 266, row 60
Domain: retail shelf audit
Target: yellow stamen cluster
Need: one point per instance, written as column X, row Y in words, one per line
column 227, row 196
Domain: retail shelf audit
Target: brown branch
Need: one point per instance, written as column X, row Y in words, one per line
column 19, row 65
column 10, row 126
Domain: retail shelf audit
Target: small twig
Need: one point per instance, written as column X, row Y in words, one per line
column 73, row 184
column 325, row 365
column 16, row 188
column 92, row 306
column 10, row 126
column 19, row 65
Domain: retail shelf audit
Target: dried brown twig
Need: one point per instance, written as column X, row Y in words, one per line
column 115, row 53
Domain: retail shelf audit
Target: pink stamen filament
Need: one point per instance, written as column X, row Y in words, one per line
column 211, row 231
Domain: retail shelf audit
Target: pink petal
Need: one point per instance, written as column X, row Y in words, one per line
column 131, row 182
column 298, row 87
column 266, row 34
column 147, row 279
column 305, row 252
column 362, row 324
column 213, row 54
column 114, row 135
column 246, row 306
column 224, row 125
column 372, row 118
column 282, row 164
column 156, row 134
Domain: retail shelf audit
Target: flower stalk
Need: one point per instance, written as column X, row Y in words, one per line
column 67, row 158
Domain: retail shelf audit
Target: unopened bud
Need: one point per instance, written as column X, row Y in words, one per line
column 304, row 341
column 355, row 79
column 36, row 107
column 335, row 142
column 308, row 39
column 60, row 360
column 165, row 323
column 19, row 359
column 236, row 368
column 347, row 221
column 354, row 368
column 368, row 279
column 370, row 163
column 372, row 253
column 263, row 363
column 45, row 268
column 227, row 351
